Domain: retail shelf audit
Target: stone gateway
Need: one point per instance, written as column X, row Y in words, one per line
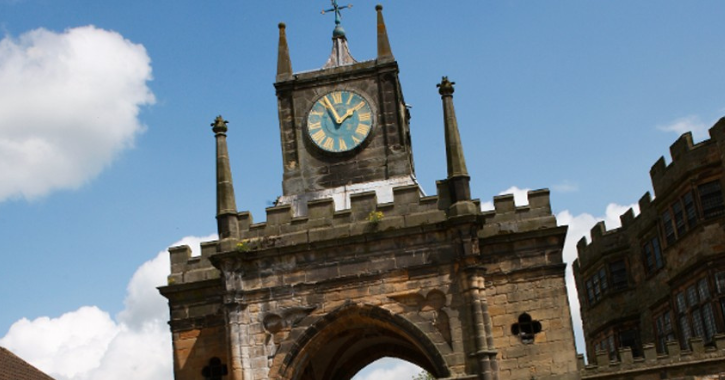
column 354, row 262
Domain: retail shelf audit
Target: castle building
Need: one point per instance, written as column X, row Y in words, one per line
column 354, row 263
column 652, row 292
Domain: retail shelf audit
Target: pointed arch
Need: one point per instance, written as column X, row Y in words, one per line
column 345, row 340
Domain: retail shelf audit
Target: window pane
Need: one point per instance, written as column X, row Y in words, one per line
column 668, row 227
column 720, row 282
column 703, row 290
column 681, row 304
column 686, row 332
column 618, row 269
column 697, row 327
column 709, row 319
column 657, row 252
column 649, row 258
column 679, row 215
column 603, row 279
column 692, row 296
column 690, row 210
column 711, row 199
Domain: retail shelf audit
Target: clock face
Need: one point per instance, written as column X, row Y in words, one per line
column 339, row 121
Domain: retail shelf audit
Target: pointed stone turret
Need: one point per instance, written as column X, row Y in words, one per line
column 284, row 64
column 226, row 206
column 458, row 179
column 384, row 51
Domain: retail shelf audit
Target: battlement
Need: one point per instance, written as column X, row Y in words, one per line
column 687, row 156
column 626, row 363
column 507, row 218
column 322, row 222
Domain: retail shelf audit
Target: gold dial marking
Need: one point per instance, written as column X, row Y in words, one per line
column 316, row 125
column 349, row 98
column 328, row 143
column 362, row 130
column 341, row 144
column 355, row 139
column 365, row 116
column 317, row 113
column 337, row 97
column 318, row 136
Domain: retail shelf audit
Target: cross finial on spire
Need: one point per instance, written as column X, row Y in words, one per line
column 339, row 31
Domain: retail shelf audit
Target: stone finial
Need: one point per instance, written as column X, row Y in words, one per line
column 384, row 51
column 284, row 64
column 445, row 88
column 219, row 125
column 457, row 172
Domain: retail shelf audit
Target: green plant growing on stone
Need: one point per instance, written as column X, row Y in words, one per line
column 423, row 375
column 375, row 217
column 243, row 246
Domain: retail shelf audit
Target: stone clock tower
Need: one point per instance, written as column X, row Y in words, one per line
column 330, row 148
column 354, row 263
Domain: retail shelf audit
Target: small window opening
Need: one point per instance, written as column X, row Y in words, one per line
column 526, row 328
column 215, row 370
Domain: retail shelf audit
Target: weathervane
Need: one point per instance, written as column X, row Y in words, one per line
column 339, row 31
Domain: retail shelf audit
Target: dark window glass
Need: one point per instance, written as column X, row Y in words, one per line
column 720, row 282
column 618, row 269
column 630, row 338
column 668, row 228
column 679, row 215
column 690, row 210
column 657, row 252
column 665, row 332
column 711, row 199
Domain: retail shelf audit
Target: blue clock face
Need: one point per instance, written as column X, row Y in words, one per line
column 339, row 121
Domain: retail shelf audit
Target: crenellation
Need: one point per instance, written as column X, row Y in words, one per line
column 687, row 156
column 673, row 360
column 361, row 205
column 627, row 218
column 681, row 146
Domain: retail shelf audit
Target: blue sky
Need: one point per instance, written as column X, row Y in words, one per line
column 581, row 97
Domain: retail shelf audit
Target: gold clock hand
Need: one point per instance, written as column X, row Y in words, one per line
column 329, row 106
column 351, row 111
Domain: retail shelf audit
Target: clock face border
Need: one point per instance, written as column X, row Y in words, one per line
column 348, row 137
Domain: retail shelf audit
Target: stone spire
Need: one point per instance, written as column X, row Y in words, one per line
column 458, row 178
column 284, row 64
column 384, row 51
column 226, row 207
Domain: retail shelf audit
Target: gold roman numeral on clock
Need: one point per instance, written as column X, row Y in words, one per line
column 329, row 142
column 355, row 140
column 316, row 125
column 362, row 130
column 341, row 144
column 365, row 116
column 317, row 113
column 337, row 97
column 319, row 136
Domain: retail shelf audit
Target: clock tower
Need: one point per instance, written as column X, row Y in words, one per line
column 354, row 263
column 344, row 128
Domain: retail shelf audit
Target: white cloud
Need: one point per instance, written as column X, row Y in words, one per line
column 87, row 344
column 70, row 104
column 566, row 186
column 687, row 124
column 388, row 369
column 580, row 226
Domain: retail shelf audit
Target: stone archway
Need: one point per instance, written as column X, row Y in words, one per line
column 339, row 344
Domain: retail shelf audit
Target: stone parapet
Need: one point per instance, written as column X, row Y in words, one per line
column 408, row 210
column 676, row 363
